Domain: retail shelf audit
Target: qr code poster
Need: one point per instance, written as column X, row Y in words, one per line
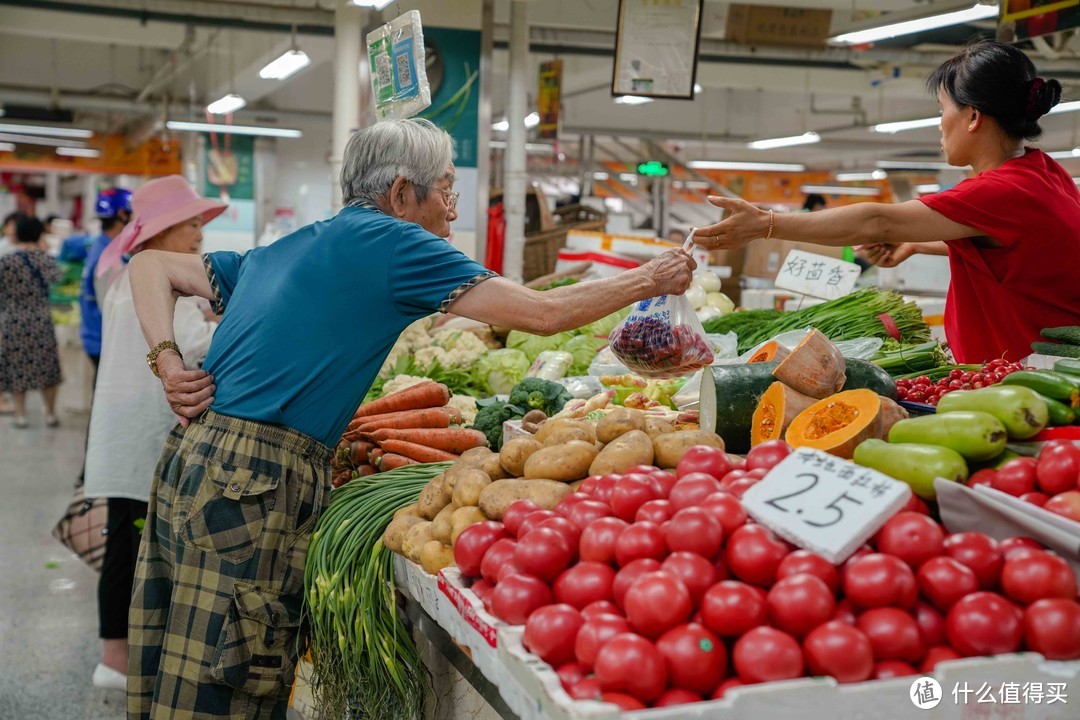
column 398, row 75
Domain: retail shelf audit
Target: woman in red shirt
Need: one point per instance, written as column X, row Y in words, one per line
column 1011, row 232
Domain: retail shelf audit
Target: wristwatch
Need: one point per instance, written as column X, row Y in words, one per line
column 151, row 357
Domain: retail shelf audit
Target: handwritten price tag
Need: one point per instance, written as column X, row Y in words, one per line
column 817, row 275
column 824, row 504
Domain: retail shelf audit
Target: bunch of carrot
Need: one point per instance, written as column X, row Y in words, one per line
column 407, row 427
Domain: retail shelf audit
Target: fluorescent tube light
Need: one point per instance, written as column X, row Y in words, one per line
column 373, row 4
column 895, row 127
column 7, row 147
column 531, row 121
column 289, row 63
column 600, row 176
column 632, row 100
column 804, row 139
column 534, row 148
column 629, row 178
column 34, row 140
column 78, row 152
column 930, row 188
column 1066, row 154
column 228, row 104
column 46, row 130
column 735, row 165
column 233, row 129
column 913, row 165
column 698, row 89
column 1065, row 107
column 860, row 176
column 839, row 190
column 918, row 24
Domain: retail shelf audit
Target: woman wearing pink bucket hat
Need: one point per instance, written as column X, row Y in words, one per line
column 130, row 418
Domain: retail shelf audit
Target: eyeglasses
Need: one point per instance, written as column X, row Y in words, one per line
column 450, row 195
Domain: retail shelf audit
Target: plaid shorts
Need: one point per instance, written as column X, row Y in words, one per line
column 216, row 611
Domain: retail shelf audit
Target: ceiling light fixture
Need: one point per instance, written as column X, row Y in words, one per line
column 46, row 130
column 78, row 152
column 1066, row 154
column 698, row 89
column 228, row 104
column 736, row 165
column 259, row 131
column 531, row 121
column 7, row 147
column 839, row 190
column 806, row 138
column 1065, row 107
column 600, row 176
column 929, row 188
column 34, row 140
column 860, row 176
column 373, row 4
column 900, row 126
column 914, row 165
column 534, row 148
column 632, row 100
column 292, row 61
column 905, row 22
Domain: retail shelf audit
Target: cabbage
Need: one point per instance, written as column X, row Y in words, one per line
column 584, row 349
column 533, row 345
column 603, row 326
column 500, row 370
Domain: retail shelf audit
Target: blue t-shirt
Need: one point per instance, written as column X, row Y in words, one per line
column 309, row 320
column 90, row 311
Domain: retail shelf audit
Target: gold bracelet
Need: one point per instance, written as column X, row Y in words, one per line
column 769, row 234
column 152, row 356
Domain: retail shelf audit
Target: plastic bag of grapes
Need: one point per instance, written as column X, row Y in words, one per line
column 661, row 337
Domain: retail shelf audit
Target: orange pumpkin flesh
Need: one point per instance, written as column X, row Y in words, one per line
column 775, row 411
column 838, row 423
column 770, row 351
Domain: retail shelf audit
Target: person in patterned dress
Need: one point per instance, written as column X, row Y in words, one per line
column 31, row 360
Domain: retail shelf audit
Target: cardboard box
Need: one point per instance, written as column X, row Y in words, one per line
column 780, row 26
column 763, row 257
column 733, row 259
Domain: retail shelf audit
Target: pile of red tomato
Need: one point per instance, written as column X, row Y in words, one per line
column 1051, row 481
column 654, row 589
column 923, row 390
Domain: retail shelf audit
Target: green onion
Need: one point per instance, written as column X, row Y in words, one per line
column 911, row 358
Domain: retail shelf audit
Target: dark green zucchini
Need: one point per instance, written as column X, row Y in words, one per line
column 1062, row 388
column 1060, row 413
column 1068, row 366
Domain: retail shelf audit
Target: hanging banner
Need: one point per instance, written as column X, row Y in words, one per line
column 153, row 158
column 548, row 99
column 1023, row 19
column 656, row 48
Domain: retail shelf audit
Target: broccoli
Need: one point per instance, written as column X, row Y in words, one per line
column 536, row 394
column 490, row 418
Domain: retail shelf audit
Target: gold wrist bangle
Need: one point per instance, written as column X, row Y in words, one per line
column 769, row 234
column 152, row 356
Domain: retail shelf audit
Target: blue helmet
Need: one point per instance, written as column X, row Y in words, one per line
column 110, row 202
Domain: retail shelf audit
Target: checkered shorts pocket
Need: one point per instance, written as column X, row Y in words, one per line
column 229, row 512
column 257, row 651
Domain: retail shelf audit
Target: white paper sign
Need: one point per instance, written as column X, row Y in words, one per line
column 824, row 504
column 656, row 48
column 817, row 275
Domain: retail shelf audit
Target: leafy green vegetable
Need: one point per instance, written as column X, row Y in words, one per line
column 537, row 394
column 602, row 328
column 499, row 370
column 491, row 416
column 584, row 349
column 533, row 345
column 460, row 381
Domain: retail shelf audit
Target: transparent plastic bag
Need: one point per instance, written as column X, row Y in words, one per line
column 661, row 337
column 857, row 349
column 398, row 71
column 551, row 365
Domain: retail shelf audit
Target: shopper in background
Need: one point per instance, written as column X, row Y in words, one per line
column 218, row 599
column 7, row 245
column 131, row 419
column 1011, row 232
column 813, row 203
column 30, row 359
column 113, row 208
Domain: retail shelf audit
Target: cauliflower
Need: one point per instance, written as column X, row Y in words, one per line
column 467, row 406
column 412, row 338
column 426, row 357
column 463, row 348
column 401, row 382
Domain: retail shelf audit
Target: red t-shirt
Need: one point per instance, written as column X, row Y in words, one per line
column 1021, row 276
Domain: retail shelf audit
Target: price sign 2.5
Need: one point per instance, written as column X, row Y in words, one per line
column 824, row 504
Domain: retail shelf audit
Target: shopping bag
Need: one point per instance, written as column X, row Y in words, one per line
column 661, row 337
column 82, row 528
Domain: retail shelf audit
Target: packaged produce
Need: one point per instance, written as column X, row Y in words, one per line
column 551, row 365
column 661, row 337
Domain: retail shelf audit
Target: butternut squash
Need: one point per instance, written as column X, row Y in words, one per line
column 771, row 350
column 815, row 367
column 839, row 423
column 775, row 411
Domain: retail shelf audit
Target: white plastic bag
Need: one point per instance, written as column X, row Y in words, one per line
column 398, row 73
column 857, row 349
column 661, row 337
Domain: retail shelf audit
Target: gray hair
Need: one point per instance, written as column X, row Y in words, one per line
column 375, row 157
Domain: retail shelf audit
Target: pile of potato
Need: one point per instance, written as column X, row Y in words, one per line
column 544, row 467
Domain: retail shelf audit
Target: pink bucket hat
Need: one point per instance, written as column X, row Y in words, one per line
column 157, row 206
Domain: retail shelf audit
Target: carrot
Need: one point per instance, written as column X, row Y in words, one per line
column 419, row 453
column 374, row 455
column 417, row 397
column 428, row 418
column 453, row 440
column 390, row 461
column 358, row 452
column 365, row 470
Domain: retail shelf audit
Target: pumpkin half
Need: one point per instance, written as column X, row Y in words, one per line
column 838, row 423
column 775, row 411
column 815, row 367
column 771, row 350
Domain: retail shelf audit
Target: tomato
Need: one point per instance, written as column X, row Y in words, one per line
column 732, row 682
column 739, row 487
column 731, row 608
column 675, row 696
column 570, row 674
column 765, row 654
column 799, row 603
column 570, row 533
column 533, row 520
column 583, row 584
column 893, row 634
column 696, row 573
column 696, row 659
column 1058, row 467
column 600, row 607
column 943, row 581
column 704, row 459
column 845, row 612
column 840, row 651
column 594, row 634
column 567, row 503
column 604, row 487
column 1066, row 504
column 517, row 512
column 888, row 669
column 586, row 689
column 754, row 553
column 986, row 476
column 663, row 481
column 622, row 701
column 640, row 540
column 500, row 553
column 657, row 602
column 804, row 561
column 1037, row 576
column 979, row 552
column 630, row 493
column 731, row 478
column 1052, row 628
column 473, row 542
column 588, row 485
column 915, row 504
column 693, row 530
column 878, row 580
column 585, row 512
column 912, row 537
column 692, row 489
column 862, row 551
column 931, row 624
column 657, row 511
column 482, row 589
column 630, row 663
column 1035, row 498
column 517, row 596
column 721, row 568
column 597, row 543
column 726, row 510
column 935, row 655
column 984, row 623
column 738, row 463
column 509, row 568
column 631, row 572
column 1016, row 477
column 767, row 455
column 543, row 553
column 550, row 633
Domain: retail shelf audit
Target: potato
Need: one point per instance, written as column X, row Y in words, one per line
column 440, row 526
column 473, row 457
column 462, row 518
column 618, row 422
column 408, row 510
column 395, row 532
column 657, row 426
column 567, row 462
column 669, row 447
column 622, row 453
column 433, row 498
column 493, row 467
column 501, row 494
column 414, row 540
column 566, row 433
column 435, row 556
column 514, row 454
column 552, row 425
column 467, row 490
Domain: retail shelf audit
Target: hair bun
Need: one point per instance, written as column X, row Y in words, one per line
column 1042, row 96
